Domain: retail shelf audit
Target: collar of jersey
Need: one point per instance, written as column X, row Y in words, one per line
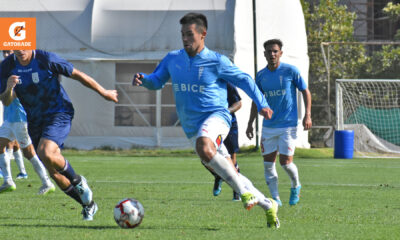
column 203, row 54
column 279, row 67
column 33, row 57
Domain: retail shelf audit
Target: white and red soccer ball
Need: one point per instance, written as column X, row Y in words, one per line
column 128, row 213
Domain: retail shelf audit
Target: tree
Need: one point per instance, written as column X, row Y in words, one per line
column 385, row 63
column 329, row 21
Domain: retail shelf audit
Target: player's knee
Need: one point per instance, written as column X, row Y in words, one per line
column 28, row 150
column 270, row 157
column 29, row 153
column 204, row 149
column 285, row 159
column 44, row 154
column 206, row 154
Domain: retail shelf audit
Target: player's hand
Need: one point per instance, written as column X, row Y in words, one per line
column 307, row 122
column 266, row 113
column 111, row 95
column 137, row 79
column 249, row 131
column 12, row 81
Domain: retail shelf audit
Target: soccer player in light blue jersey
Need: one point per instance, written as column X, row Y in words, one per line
column 14, row 127
column 33, row 76
column 199, row 77
column 279, row 83
column 13, row 148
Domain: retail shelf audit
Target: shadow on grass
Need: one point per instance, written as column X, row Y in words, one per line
column 60, row 226
column 213, row 229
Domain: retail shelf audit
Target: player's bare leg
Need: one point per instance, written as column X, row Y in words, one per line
column 64, row 175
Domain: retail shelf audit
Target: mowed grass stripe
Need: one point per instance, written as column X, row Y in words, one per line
column 341, row 199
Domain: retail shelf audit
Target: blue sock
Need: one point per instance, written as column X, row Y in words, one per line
column 73, row 193
column 69, row 173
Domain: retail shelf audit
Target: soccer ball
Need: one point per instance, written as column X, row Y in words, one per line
column 128, row 213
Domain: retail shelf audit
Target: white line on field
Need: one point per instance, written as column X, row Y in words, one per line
column 346, row 166
column 257, row 183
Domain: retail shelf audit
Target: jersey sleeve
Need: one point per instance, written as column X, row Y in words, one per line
column 59, row 65
column 231, row 73
column 159, row 77
column 298, row 80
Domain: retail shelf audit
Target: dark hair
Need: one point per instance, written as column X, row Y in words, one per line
column 272, row 42
column 197, row 18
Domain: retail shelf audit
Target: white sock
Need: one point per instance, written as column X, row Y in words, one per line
column 263, row 202
column 19, row 160
column 226, row 171
column 40, row 170
column 5, row 167
column 271, row 178
column 9, row 151
column 291, row 170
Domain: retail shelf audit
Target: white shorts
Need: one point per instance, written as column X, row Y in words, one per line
column 282, row 140
column 16, row 130
column 215, row 129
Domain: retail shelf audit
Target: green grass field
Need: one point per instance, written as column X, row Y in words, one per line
column 341, row 199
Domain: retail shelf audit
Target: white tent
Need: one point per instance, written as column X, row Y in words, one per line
column 111, row 40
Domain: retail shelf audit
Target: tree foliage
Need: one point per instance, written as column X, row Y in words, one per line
column 385, row 63
column 392, row 10
column 330, row 21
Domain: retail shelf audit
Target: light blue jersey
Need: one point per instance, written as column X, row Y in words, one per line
column 279, row 87
column 14, row 112
column 199, row 85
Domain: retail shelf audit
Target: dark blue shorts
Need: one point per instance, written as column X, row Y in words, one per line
column 55, row 127
column 231, row 141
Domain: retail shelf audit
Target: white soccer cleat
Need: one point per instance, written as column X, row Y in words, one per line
column 89, row 211
column 46, row 189
column 84, row 192
column 8, row 186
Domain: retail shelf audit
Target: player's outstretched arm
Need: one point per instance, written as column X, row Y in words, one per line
column 307, row 122
column 8, row 95
column 110, row 95
column 231, row 73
